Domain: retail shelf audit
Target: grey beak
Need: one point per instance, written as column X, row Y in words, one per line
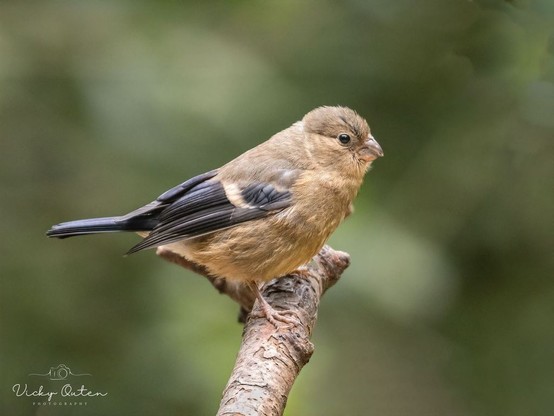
column 374, row 147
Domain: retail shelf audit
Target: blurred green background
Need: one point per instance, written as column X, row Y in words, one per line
column 448, row 307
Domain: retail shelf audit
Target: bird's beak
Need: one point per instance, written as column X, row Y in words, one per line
column 370, row 150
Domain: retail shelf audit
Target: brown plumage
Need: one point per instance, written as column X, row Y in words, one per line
column 265, row 213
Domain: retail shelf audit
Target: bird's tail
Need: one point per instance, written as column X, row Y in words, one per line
column 101, row 225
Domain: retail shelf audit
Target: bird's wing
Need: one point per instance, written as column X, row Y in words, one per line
column 210, row 205
column 170, row 196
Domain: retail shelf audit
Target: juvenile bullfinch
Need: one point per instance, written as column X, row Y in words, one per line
column 263, row 214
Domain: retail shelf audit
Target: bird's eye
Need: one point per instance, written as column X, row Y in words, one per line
column 344, row 138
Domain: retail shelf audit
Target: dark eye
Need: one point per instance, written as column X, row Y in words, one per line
column 344, row 138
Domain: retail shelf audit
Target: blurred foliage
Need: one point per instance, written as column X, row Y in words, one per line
column 447, row 307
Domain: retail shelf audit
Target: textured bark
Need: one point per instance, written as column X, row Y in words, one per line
column 270, row 359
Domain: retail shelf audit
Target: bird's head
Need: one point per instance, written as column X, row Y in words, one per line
column 338, row 137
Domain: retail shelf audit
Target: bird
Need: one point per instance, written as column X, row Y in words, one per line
column 265, row 213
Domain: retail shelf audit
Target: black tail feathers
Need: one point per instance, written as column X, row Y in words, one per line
column 101, row 225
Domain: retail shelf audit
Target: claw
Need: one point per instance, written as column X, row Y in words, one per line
column 275, row 317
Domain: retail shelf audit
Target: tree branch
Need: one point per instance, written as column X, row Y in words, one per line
column 270, row 359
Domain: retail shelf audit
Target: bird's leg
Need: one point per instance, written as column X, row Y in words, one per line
column 267, row 311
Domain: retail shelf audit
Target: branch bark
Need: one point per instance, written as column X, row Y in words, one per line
column 270, row 359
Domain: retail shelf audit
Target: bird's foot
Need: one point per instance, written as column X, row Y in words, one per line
column 278, row 319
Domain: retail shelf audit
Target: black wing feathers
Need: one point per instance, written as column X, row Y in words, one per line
column 203, row 196
column 180, row 190
column 164, row 200
column 264, row 196
column 205, row 208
